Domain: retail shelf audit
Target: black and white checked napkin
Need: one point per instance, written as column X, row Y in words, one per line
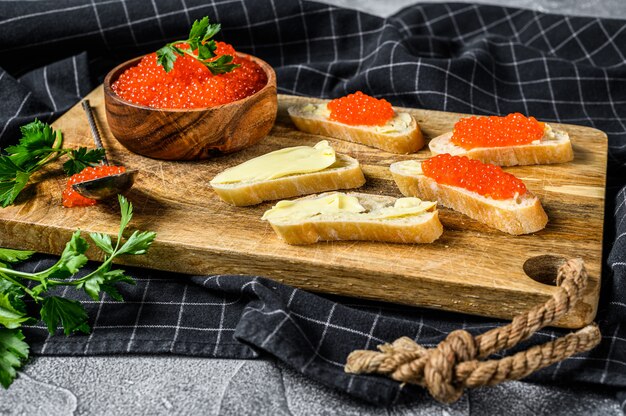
column 452, row 57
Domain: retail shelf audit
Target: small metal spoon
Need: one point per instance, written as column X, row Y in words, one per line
column 107, row 186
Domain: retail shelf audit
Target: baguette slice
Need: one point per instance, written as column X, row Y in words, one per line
column 399, row 135
column 345, row 173
column 522, row 215
column 554, row 147
column 421, row 228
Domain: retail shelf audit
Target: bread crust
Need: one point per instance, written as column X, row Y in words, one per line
column 512, row 218
column 310, row 231
column 409, row 142
column 543, row 153
column 345, row 177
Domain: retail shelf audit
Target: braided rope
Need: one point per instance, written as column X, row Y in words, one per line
column 456, row 363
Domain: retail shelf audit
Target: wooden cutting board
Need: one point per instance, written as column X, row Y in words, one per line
column 471, row 268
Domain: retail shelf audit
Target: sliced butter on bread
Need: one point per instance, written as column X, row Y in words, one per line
column 271, row 180
column 554, row 147
column 401, row 134
column 355, row 216
column 521, row 215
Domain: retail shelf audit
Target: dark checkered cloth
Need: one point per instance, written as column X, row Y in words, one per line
column 453, row 57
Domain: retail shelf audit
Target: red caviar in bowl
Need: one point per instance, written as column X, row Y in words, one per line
column 189, row 84
column 485, row 179
column 71, row 198
column 493, row 131
column 359, row 109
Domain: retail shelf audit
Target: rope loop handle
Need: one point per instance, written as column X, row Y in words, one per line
column 458, row 362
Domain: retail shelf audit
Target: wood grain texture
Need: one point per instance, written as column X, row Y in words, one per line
column 191, row 134
column 471, row 268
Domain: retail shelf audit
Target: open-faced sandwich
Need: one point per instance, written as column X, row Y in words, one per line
column 355, row 216
column 481, row 191
column 362, row 119
column 286, row 173
column 505, row 141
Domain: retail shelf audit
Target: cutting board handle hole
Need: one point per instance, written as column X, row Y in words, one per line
column 543, row 269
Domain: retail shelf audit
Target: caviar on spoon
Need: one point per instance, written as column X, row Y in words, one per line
column 100, row 182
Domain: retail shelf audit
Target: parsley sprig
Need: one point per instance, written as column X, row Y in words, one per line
column 55, row 310
column 199, row 46
column 39, row 145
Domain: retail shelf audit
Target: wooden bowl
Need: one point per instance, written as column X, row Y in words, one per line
column 191, row 134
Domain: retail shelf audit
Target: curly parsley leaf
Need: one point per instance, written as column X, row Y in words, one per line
column 198, row 29
column 37, row 134
column 166, row 56
column 198, row 45
column 103, row 241
column 12, row 180
column 221, row 65
column 36, row 143
column 10, row 189
column 211, row 30
column 82, row 158
column 126, row 210
column 13, row 351
column 69, row 313
column 8, row 168
column 71, row 260
column 207, row 51
column 10, row 316
column 8, row 256
column 12, row 307
column 138, row 243
column 104, row 281
column 111, row 278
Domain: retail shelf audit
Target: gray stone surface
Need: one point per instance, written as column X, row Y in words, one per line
column 164, row 385
column 597, row 8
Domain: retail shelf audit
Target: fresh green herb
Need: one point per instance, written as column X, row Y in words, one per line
column 38, row 146
column 13, row 352
column 199, row 46
column 56, row 310
column 82, row 158
column 8, row 256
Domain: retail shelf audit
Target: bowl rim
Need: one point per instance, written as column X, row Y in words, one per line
column 267, row 68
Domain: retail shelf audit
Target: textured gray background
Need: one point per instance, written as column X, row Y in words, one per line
column 158, row 385
column 598, row 8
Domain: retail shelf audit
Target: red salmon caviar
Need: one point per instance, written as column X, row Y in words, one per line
column 360, row 109
column 485, row 179
column 71, row 198
column 513, row 129
column 189, row 84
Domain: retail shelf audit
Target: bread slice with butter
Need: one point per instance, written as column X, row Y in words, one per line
column 288, row 172
column 401, row 134
column 554, row 147
column 521, row 215
column 355, row 216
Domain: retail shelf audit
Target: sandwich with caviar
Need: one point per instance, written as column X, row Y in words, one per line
column 481, row 191
column 505, row 141
column 362, row 119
